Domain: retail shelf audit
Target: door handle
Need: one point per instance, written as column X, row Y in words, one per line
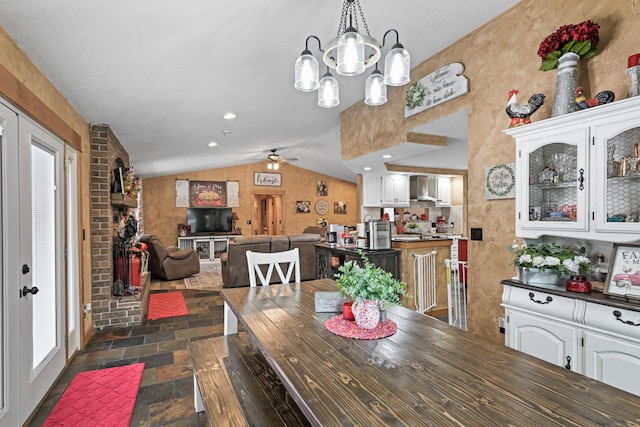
column 32, row 291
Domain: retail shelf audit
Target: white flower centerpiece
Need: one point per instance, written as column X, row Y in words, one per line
column 548, row 263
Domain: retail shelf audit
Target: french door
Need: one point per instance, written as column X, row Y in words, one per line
column 33, row 350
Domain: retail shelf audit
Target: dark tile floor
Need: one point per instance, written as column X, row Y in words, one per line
column 165, row 397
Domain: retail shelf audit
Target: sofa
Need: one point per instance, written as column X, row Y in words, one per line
column 170, row 262
column 235, row 271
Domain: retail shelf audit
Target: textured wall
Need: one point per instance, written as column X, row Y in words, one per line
column 161, row 216
column 498, row 57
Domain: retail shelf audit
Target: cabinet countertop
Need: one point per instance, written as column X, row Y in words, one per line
column 594, row 297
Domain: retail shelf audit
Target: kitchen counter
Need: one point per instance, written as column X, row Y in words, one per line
column 330, row 258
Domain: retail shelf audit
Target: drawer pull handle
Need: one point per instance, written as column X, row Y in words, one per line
column 548, row 300
column 618, row 316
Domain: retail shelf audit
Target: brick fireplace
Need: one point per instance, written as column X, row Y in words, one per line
column 106, row 155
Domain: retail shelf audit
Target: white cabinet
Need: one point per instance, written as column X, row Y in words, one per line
column 395, row 190
column 371, row 185
column 208, row 247
column 577, row 174
column 593, row 339
column 552, row 341
column 444, row 191
column 387, row 190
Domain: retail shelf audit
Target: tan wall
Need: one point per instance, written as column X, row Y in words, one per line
column 22, row 68
column 499, row 57
column 161, row 216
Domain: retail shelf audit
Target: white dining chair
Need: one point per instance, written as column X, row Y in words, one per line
column 276, row 260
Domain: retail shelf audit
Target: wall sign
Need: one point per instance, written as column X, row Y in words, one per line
column 440, row 86
column 207, row 193
column 623, row 278
column 500, row 181
column 269, row 179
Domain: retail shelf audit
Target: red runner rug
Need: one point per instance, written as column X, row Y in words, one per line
column 166, row 304
column 101, row 398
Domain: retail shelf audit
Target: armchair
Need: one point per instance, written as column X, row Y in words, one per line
column 170, row 263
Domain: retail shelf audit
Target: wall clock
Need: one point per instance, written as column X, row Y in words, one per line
column 322, row 207
column 500, row 181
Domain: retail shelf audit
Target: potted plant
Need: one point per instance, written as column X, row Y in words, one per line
column 371, row 288
column 548, row 263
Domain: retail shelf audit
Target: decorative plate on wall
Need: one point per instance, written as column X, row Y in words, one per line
column 322, row 207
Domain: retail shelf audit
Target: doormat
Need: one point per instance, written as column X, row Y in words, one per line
column 166, row 304
column 100, row 398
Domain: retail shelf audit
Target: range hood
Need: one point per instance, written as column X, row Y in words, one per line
column 422, row 188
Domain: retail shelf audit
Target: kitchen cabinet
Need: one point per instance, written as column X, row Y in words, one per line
column 589, row 333
column 208, row 247
column 577, row 174
column 385, row 190
column 444, row 191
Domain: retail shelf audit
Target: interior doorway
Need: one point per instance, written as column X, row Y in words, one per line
column 267, row 213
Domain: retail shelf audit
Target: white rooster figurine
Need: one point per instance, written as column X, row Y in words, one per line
column 521, row 114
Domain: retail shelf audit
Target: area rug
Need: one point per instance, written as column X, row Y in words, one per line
column 166, row 304
column 100, row 398
column 209, row 278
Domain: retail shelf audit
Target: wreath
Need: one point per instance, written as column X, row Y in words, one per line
column 415, row 96
column 509, row 187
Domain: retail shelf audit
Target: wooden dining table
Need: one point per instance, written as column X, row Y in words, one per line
column 427, row 373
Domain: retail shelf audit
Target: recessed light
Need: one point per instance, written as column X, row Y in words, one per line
column 230, row 116
column 212, row 144
column 387, row 156
column 367, row 168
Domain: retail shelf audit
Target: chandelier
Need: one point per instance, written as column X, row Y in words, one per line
column 350, row 54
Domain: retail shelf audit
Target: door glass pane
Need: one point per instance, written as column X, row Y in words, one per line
column 553, row 189
column 43, row 241
column 3, row 338
column 623, row 177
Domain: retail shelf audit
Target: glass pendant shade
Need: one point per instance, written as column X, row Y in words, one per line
column 328, row 93
column 397, row 65
column 350, row 53
column 306, row 73
column 375, row 91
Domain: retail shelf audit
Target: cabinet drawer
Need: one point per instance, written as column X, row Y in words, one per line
column 611, row 319
column 541, row 302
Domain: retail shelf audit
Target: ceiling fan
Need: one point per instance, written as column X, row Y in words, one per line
column 274, row 159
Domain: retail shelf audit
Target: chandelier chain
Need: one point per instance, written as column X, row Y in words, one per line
column 364, row 21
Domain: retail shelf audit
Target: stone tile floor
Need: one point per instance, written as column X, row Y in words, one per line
column 165, row 397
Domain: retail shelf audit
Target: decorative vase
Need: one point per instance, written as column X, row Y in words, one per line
column 566, row 84
column 535, row 276
column 366, row 313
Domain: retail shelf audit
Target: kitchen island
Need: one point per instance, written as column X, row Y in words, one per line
column 408, row 247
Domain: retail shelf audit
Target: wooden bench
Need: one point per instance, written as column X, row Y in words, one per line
column 235, row 385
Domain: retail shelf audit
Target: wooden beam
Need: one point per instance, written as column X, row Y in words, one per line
column 20, row 95
column 426, row 139
column 423, row 170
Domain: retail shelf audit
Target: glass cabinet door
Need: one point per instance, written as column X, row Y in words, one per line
column 555, row 182
column 617, row 161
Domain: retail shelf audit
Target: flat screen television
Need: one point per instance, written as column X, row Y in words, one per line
column 210, row 220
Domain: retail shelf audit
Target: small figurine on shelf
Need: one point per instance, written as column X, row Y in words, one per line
column 521, row 114
column 604, row 97
column 131, row 183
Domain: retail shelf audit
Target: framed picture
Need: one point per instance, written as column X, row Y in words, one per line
column 207, row 193
column 321, row 188
column 500, row 181
column 340, row 208
column 268, row 179
column 623, row 278
column 303, row 206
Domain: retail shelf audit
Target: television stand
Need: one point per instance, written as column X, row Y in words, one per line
column 209, row 247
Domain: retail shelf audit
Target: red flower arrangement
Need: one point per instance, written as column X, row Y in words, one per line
column 581, row 39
